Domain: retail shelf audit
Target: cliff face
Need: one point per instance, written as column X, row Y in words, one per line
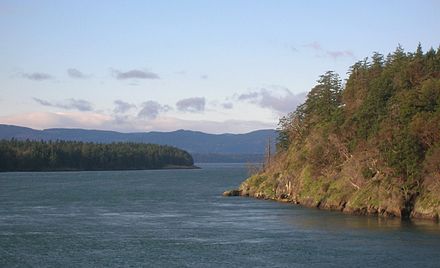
column 371, row 146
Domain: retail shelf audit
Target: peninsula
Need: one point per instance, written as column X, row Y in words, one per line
column 370, row 145
column 75, row 156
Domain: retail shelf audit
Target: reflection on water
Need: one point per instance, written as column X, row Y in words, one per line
column 309, row 218
column 178, row 218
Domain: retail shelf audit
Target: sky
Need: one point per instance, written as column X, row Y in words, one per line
column 229, row 66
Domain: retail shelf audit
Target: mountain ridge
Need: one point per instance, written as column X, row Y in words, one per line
column 251, row 143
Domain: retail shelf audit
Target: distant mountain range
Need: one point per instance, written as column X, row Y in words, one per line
column 248, row 147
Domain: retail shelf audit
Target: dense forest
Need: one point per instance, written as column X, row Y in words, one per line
column 69, row 155
column 370, row 145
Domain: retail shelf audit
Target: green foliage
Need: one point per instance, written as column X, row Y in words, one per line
column 390, row 103
column 367, row 173
column 324, row 99
column 323, row 105
column 69, row 155
column 256, row 180
column 283, row 139
column 261, row 185
column 312, row 188
column 404, row 154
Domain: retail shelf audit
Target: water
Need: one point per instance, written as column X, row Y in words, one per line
column 178, row 218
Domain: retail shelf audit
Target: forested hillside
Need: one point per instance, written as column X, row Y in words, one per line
column 68, row 155
column 368, row 146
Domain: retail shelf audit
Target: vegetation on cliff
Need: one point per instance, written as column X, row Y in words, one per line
column 368, row 146
column 70, row 155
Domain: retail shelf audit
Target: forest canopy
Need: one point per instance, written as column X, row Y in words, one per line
column 28, row 155
column 390, row 103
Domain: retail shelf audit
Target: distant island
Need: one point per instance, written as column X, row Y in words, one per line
column 28, row 155
column 368, row 146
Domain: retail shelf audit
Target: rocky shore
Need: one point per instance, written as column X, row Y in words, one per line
column 383, row 199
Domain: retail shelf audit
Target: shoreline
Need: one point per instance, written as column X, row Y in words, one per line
column 365, row 211
column 169, row 167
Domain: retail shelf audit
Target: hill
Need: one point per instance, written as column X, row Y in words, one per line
column 371, row 146
column 205, row 147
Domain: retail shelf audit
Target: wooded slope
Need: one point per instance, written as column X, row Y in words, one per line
column 370, row 146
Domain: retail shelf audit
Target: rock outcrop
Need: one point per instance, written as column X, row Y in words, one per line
column 233, row 192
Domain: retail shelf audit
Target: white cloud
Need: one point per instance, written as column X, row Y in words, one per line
column 135, row 74
column 314, row 45
column 335, row 54
column 68, row 104
column 279, row 99
column 41, row 120
column 340, row 54
column 151, row 109
column 37, row 76
column 196, row 104
column 76, row 74
column 228, row 105
column 122, row 106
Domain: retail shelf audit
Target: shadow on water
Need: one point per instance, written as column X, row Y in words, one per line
column 299, row 217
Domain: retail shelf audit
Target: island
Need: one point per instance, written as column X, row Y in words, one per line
column 370, row 145
column 16, row 155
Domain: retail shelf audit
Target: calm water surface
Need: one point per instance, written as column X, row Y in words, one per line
column 178, row 218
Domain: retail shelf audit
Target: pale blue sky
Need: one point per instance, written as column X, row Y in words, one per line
column 215, row 66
